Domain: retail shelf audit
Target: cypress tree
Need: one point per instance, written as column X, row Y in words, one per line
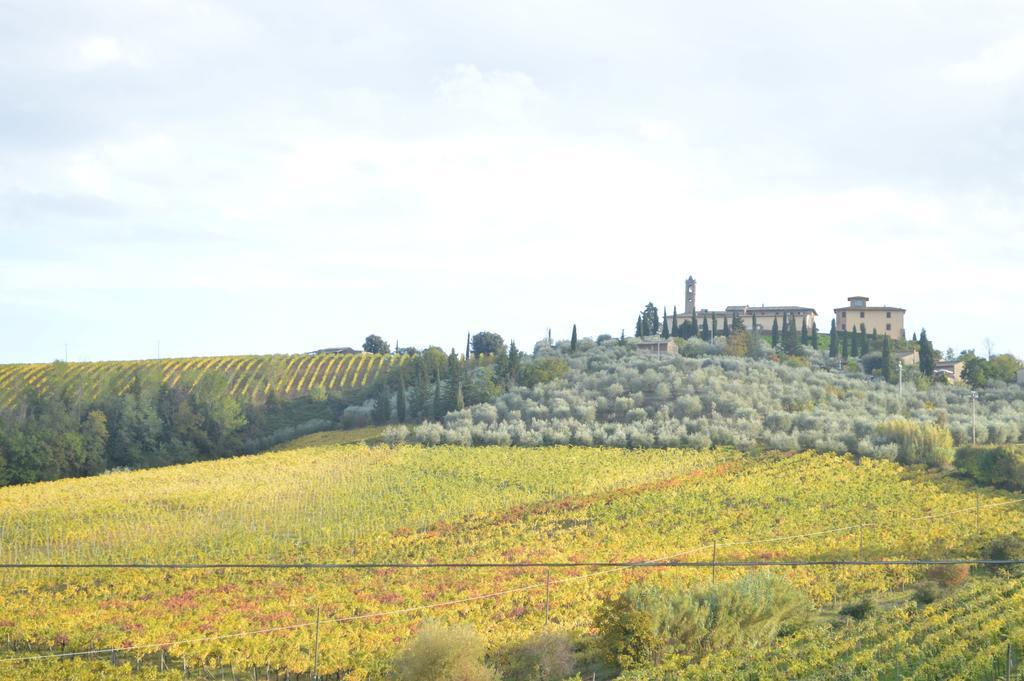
column 572, row 341
column 705, row 334
column 833, row 341
column 714, row 324
column 694, row 325
column 664, row 323
column 775, row 331
column 438, row 406
column 639, row 326
column 675, row 322
column 803, row 333
column 421, row 394
column 854, row 345
column 382, row 402
column 927, row 355
column 467, row 346
column 401, row 406
column 886, row 360
column 753, row 325
column 515, row 363
column 725, row 327
column 814, row 335
column 864, row 347
column 790, row 341
column 846, row 346
column 454, row 382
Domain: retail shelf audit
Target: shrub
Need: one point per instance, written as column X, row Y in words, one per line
column 1006, row 547
column 918, row 442
column 439, row 653
column 927, row 592
column 395, row 435
column 949, row 576
column 544, row 657
column 645, row 624
column 1002, row 466
column 859, row 610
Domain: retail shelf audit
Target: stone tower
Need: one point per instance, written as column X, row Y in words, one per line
column 691, row 295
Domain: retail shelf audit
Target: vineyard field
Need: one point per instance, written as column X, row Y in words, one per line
column 356, row 503
column 249, row 377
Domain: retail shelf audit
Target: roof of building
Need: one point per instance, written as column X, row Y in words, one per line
column 876, row 308
column 769, row 308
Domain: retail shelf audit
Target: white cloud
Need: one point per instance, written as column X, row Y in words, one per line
column 101, row 51
column 502, row 97
column 998, row 64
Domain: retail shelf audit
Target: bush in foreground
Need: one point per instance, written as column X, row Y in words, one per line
column 440, row 653
column 646, row 624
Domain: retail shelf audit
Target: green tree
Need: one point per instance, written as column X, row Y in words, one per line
column 486, row 343
column 639, row 326
column 705, row 333
column 814, row 335
column 833, row 341
column 926, row 354
column 886, row 359
column 675, row 322
column 400, row 407
column 573, row 342
column 804, row 337
column 421, row 392
column 664, row 323
column 439, row 410
column 775, row 332
column 846, row 346
column 855, row 344
column 790, row 340
column 650, row 317
column 376, row 345
column 382, row 402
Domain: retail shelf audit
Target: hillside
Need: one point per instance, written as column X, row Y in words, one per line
column 249, row 377
column 353, row 503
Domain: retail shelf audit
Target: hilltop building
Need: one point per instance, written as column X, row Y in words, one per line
column 883, row 320
column 764, row 315
column 952, row 370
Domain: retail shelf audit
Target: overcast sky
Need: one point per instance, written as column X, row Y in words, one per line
column 254, row 177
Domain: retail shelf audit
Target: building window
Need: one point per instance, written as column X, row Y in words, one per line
column 888, row 327
column 862, row 315
column 888, row 315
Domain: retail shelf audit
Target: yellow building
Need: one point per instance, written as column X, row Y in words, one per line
column 883, row 320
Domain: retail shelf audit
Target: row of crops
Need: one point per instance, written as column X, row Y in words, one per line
column 249, row 377
column 360, row 504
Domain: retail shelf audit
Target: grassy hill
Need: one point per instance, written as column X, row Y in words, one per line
column 250, row 377
column 353, row 503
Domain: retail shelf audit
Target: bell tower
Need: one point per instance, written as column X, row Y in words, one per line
column 691, row 295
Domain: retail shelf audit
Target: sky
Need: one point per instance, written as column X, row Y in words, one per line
column 260, row 177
